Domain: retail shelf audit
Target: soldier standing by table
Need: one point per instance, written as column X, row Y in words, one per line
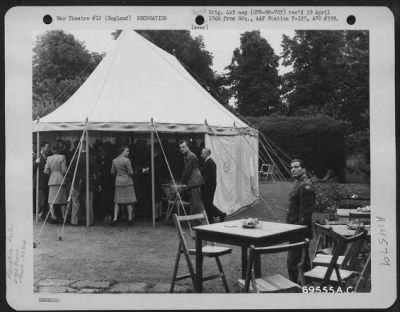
column 301, row 205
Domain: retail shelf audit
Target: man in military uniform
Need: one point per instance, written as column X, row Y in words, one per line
column 301, row 205
column 192, row 178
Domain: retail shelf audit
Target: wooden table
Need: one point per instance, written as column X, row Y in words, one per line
column 232, row 233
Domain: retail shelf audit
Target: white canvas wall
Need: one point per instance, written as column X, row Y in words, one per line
column 237, row 170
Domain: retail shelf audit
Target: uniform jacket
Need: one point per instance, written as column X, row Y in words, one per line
column 301, row 204
column 43, row 178
column 209, row 173
column 122, row 169
column 191, row 175
column 56, row 167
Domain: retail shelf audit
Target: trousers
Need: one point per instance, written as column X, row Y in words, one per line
column 77, row 197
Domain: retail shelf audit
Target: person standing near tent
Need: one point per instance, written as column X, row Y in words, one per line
column 78, row 195
column 209, row 173
column 104, row 199
column 56, row 167
column 301, row 205
column 43, row 190
column 124, row 186
column 191, row 178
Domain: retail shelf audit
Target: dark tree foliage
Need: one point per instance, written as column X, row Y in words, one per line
column 330, row 75
column 60, row 65
column 253, row 76
column 318, row 140
column 189, row 51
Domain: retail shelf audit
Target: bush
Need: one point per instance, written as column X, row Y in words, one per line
column 328, row 195
column 357, row 168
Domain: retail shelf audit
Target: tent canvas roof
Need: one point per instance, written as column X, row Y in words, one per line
column 135, row 82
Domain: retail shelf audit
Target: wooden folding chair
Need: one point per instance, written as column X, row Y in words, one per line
column 323, row 245
column 274, row 283
column 267, row 171
column 364, row 281
column 173, row 201
column 331, row 274
column 210, row 251
column 347, row 260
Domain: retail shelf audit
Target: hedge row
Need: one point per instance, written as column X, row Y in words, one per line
column 318, row 140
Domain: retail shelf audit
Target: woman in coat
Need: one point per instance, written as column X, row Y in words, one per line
column 56, row 167
column 124, row 187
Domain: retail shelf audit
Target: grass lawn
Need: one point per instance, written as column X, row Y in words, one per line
column 143, row 253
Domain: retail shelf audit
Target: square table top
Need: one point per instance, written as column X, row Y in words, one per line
column 263, row 229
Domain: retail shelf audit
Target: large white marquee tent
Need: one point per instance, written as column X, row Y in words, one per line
column 139, row 87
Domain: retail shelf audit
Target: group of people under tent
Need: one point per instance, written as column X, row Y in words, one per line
column 118, row 172
column 120, row 175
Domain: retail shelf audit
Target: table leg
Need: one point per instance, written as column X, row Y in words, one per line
column 199, row 264
column 244, row 262
column 257, row 266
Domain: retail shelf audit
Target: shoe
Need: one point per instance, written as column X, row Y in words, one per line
column 114, row 222
column 130, row 222
column 54, row 221
column 222, row 217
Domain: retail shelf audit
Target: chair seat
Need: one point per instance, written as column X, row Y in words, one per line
column 212, row 251
column 324, row 260
column 318, row 272
column 271, row 284
column 325, row 251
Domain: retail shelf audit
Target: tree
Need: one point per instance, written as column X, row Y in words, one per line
column 315, row 57
column 354, row 86
column 189, row 51
column 60, row 65
column 330, row 75
column 253, row 76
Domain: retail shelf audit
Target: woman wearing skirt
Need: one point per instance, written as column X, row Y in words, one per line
column 56, row 167
column 124, row 187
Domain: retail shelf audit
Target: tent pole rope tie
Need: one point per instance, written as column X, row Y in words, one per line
column 61, row 185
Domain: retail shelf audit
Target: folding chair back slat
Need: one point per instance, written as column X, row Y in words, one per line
column 208, row 251
column 340, row 244
column 274, row 283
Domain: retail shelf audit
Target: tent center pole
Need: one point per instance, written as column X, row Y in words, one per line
column 153, row 193
column 37, row 176
column 87, row 180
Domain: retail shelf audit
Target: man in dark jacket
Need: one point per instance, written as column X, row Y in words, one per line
column 209, row 173
column 301, row 205
column 40, row 162
column 191, row 177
